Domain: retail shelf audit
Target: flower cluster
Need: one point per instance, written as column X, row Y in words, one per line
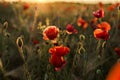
column 57, row 56
column 57, row 52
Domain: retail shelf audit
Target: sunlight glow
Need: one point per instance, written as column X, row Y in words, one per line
column 80, row 1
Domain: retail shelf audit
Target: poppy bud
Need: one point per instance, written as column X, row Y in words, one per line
column 82, row 37
column 19, row 42
column 5, row 25
column 98, row 71
column 81, row 50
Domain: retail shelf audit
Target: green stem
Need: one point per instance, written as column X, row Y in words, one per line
column 98, row 49
column 85, row 66
column 99, row 20
column 25, row 65
column 3, row 70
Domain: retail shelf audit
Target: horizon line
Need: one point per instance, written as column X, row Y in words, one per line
column 84, row 2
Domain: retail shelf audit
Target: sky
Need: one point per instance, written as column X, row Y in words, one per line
column 83, row 1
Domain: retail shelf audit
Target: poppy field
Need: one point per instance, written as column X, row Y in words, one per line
column 59, row 41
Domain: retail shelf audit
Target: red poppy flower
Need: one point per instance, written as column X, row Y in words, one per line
column 104, row 25
column 117, row 4
column 57, row 61
column 5, row 4
column 101, row 34
column 70, row 29
column 113, row 6
column 101, row 4
column 117, row 50
column 50, row 33
column 99, row 13
column 94, row 20
column 81, row 22
column 35, row 42
column 59, row 50
column 114, row 73
column 26, row 6
column 93, row 23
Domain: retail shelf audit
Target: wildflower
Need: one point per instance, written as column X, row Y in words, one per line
column 94, row 20
column 113, row 7
column 99, row 13
column 102, row 31
column 35, row 42
column 93, row 23
column 59, row 50
column 57, row 61
column 50, row 33
column 70, row 29
column 117, row 4
column 104, row 25
column 5, row 4
column 101, row 34
column 114, row 73
column 57, row 56
column 26, row 6
column 101, row 5
column 117, row 50
column 82, row 22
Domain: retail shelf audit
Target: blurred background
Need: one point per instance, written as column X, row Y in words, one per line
column 80, row 1
column 28, row 18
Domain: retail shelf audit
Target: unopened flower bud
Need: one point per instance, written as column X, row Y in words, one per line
column 81, row 50
column 19, row 42
column 98, row 71
column 5, row 25
column 82, row 37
